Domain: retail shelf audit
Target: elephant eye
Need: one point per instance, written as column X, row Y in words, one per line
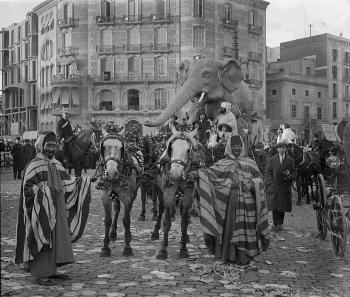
column 205, row 75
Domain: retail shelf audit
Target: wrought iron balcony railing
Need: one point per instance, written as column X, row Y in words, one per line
column 230, row 24
column 132, row 19
column 254, row 56
column 161, row 47
column 68, row 51
column 105, row 19
column 133, row 48
column 133, row 76
column 105, row 49
column 254, row 29
column 65, row 23
column 255, row 83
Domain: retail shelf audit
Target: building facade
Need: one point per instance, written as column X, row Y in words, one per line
column 332, row 62
column 295, row 95
column 19, row 44
column 118, row 60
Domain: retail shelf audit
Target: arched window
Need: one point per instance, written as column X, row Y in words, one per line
column 106, row 69
column 106, row 100
column 160, row 98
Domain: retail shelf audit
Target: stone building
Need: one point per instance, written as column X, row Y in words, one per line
column 118, row 60
column 332, row 62
column 18, row 62
column 295, row 95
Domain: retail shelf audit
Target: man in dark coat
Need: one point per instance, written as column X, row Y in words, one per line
column 18, row 160
column 64, row 133
column 204, row 128
column 279, row 174
column 28, row 151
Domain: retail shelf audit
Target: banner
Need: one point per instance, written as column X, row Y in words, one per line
column 330, row 132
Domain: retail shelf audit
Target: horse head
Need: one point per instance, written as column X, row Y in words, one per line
column 179, row 149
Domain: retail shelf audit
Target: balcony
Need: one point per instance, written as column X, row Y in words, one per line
column 57, row 110
column 254, row 83
column 133, row 77
column 254, row 29
column 230, row 24
column 66, row 23
column 105, row 50
column 254, row 56
column 132, row 48
column 65, row 80
column 105, row 20
column 228, row 51
column 160, row 18
column 132, row 19
column 161, row 48
column 68, row 51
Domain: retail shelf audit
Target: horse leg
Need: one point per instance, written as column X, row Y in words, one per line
column 127, row 233
column 142, row 216
column 187, row 202
column 107, row 205
column 299, row 190
column 113, row 234
column 163, row 254
column 155, row 233
column 154, row 192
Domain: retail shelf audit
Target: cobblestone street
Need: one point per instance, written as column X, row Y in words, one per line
column 296, row 264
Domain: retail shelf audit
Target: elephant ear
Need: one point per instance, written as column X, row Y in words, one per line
column 232, row 75
column 183, row 71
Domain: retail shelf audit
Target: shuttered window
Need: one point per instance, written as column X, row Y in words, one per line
column 198, row 37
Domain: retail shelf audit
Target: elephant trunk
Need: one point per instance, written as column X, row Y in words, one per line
column 187, row 92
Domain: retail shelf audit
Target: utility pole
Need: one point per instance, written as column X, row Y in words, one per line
column 310, row 26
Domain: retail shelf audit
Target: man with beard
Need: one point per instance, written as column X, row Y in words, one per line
column 53, row 211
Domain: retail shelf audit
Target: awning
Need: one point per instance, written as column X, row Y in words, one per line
column 65, row 96
column 75, row 96
column 56, row 95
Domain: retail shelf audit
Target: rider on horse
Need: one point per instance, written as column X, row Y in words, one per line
column 64, row 133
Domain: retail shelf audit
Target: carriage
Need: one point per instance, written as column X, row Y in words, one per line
column 324, row 173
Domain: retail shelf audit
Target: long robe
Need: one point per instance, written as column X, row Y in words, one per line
column 53, row 211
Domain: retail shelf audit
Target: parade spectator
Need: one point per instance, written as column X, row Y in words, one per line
column 204, row 125
column 260, row 157
column 64, row 134
column 256, row 131
column 18, row 161
column 233, row 207
column 53, row 216
column 28, row 151
column 315, row 143
column 227, row 117
column 184, row 125
column 279, row 174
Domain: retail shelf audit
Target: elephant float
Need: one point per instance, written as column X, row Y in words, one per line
column 205, row 84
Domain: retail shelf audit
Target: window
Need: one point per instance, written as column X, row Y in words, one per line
column 228, row 39
column 132, row 10
column 133, row 67
column 160, row 98
column 307, row 93
column 198, row 8
column 12, row 37
column 319, row 94
column 26, row 50
column 106, row 69
column 67, row 11
column 159, row 66
column 18, row 53
column 335, row 114
column 19, row 33
column 228, row 11
column 293, row 92
column 334, row 55
column 346, row 109
column 281, row 70
column 18, row 74
column 133, row 36
column 26, row 73
column 319, row 113
column 308, row 71
column 34, row 94
column 347, row 58
column 335, row 91
column 33, row 69
column 273, row 92
column 253, row 17
column 347, row 90
column 293, row 111
column 105, row 9
column 160, row 35
column 334, row 72
column 306, row 112
column 198, row 37
column 26, row 28
column 160, row 9
column 67, row 40
column 347, row 75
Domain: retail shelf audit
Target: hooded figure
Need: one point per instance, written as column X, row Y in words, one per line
column 227, row 117
column 53, row 211
column 232, row 206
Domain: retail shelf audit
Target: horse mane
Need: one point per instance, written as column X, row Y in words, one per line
column 183, row 135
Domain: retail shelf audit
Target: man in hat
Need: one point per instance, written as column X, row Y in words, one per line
column 227, row 117
column 18, row 162
column 64, row 133
column 53, row 211
column 279, row 174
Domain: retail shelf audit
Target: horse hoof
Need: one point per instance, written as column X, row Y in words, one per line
column 141, row 218
column 298, row 203
column 162, row 255
column 113, row 236
column 155, row 235
column 184, row 253
column 127, row 252
column 154, row 217
column 105, row 252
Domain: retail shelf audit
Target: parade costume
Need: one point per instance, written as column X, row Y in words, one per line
column 53, row 211
column 234, row 221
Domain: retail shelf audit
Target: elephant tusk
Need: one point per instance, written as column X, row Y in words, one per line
column 201, row 97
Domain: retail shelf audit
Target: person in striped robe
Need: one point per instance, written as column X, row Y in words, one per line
column 233, row 211
column 53, row 211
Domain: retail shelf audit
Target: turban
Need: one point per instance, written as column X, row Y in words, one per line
column 236, row 140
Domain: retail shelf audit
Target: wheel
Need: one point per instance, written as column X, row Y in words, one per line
column 338, row 227
column 321, row 213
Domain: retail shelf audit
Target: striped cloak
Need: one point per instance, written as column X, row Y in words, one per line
column 233, row 217
column 38, row 207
